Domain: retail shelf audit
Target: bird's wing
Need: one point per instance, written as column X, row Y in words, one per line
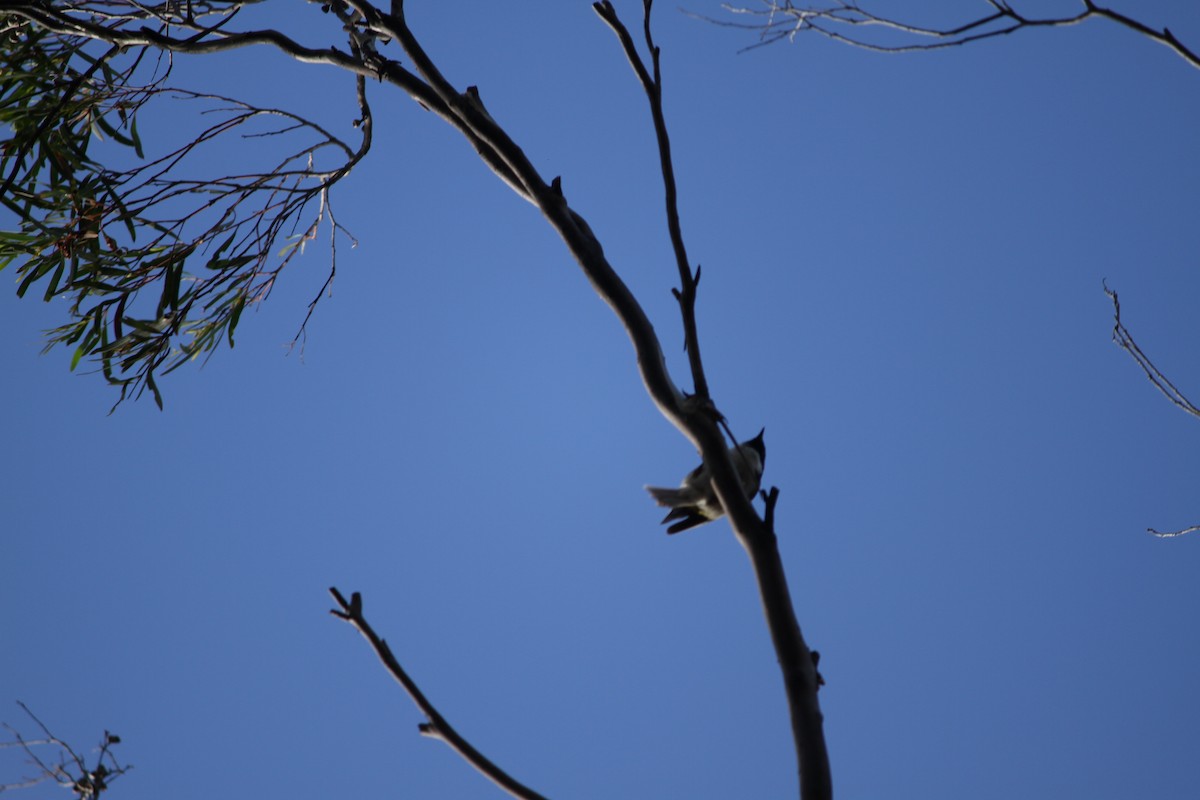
column 692, row 520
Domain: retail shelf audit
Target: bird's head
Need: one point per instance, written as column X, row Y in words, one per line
column 758, row 445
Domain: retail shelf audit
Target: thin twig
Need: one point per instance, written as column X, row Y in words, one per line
column 72, row 771
column 652, row 85
column 436, row 727
column 1172, row 534
column 1124, row 339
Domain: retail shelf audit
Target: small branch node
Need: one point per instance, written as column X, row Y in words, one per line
column 769, row 500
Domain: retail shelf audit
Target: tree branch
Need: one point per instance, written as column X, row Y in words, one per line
column 688, row 281
column 71, row 771
column 692, row 416
column 1124, row 339
column 1172, row 534
column 841, row 20
column 437, row 727
column 466, row 113
column 801, row 680
column 58, row 21
column 1164, row 37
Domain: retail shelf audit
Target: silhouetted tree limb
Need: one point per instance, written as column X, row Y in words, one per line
column 436, row 727
column 851, row 23
column 66, row 767
column 801, row 680
column 652, row 85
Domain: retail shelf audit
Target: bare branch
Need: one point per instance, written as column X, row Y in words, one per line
column 1163, row 37
column 366, row 123
column 1124, row 340
column 850, row 23
column 83, row 19
column 436, row 727
column 465, row 112
column 801, row 680
column 652, row 85
column 68, row 769
column 1172, row 534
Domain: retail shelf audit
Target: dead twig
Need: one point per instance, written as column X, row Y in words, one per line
column 436, row 725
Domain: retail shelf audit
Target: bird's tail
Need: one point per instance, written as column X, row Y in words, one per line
column 672, row 498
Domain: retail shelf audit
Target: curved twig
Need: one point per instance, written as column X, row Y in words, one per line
column 437, row 727
column 1124, row 339
column 1172, row 534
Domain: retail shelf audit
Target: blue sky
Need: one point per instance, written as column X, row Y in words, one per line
column 902, row 260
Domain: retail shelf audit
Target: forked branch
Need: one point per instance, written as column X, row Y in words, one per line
column 797, row 663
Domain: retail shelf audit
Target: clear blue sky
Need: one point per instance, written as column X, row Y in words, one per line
column 902, row 260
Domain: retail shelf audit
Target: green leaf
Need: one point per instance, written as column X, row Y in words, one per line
column 37, row 272
column 79, row 354
column 173, row 273
column 235, row 315
column 137, row 140
column 229, row 263
column 154, row 388
column 52, row 288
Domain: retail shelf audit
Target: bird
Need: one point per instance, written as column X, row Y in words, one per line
column 695, row 501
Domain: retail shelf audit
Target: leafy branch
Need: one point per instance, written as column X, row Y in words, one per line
column 157, row 265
